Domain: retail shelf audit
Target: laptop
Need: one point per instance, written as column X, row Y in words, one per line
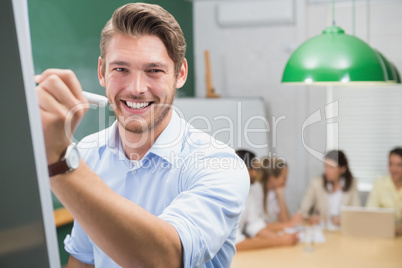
column 368, row 222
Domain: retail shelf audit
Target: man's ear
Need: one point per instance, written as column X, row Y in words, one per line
column 100, row 73
column 182, row 75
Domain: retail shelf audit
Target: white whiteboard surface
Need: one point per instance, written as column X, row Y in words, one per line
column 27, row 228
column 239, row 122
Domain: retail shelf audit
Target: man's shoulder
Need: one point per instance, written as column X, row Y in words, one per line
column 199, row 142
column 202, row 151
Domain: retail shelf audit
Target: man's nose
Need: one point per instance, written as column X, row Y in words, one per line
column 138, row 83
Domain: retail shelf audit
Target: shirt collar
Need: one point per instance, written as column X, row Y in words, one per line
column 169, row 143
column 167, row 146
column 110, row 140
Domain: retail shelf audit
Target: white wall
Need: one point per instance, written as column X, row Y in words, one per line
column 249, row 60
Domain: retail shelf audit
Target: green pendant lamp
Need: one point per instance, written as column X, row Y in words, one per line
column 392, row 73
column 334, row 58
column 395, row 78
column 397, row 75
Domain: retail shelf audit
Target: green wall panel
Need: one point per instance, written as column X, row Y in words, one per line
column 62, row 232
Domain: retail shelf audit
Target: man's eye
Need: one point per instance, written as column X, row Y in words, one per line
column 155, row 71
column 120, row 69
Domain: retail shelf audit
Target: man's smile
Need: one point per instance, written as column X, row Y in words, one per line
column 137, row 105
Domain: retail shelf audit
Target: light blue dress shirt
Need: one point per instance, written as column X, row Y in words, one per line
column 187, row 178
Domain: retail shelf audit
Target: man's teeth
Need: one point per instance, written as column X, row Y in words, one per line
column 137, row 105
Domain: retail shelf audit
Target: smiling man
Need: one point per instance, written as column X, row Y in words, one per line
column 145, row 193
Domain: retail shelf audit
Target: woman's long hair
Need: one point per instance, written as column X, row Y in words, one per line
column 270, row 166
column 340, row 158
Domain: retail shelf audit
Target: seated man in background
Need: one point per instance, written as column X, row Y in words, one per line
column 387, row 190
column 253, row 232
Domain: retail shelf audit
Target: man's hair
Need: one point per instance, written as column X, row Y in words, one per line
column 138, row 19
column 248, row 157
column 397, row 151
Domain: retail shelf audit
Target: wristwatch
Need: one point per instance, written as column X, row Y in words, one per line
column 69, row 162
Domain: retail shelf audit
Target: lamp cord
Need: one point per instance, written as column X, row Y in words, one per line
column 354, row 17
column 368, row 21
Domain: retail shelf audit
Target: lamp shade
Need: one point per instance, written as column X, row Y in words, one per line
column 397, row 75
column 389, row 68
column 395, row 71
column 334, row 57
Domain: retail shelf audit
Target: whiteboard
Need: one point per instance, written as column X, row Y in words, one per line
column 240, row 123
column 27, row 229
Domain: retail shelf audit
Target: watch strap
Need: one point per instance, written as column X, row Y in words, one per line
column 59, row 167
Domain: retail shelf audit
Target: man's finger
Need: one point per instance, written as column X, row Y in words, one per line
column 68, row 77
column 59, row 90
column 48, row 103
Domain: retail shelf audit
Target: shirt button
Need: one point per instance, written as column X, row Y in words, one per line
column 133, row 171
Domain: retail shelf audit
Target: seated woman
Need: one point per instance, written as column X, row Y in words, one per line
column 387, row 190
column 252, row 232
column 326, row 195
column 273, row 183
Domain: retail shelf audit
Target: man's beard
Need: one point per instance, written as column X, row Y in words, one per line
column 141, row 126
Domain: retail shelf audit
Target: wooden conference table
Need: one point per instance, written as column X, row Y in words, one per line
column 338, row 251
column 62, row 217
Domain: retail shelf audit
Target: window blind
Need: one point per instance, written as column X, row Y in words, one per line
column 369, row 126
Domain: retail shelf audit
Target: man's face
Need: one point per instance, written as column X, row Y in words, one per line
column 395, row 167
column 140, row 82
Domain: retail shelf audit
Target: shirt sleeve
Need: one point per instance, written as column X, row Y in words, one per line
column 308, row 200
column 78, row 245
column 239, row 236
column 207, row 211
